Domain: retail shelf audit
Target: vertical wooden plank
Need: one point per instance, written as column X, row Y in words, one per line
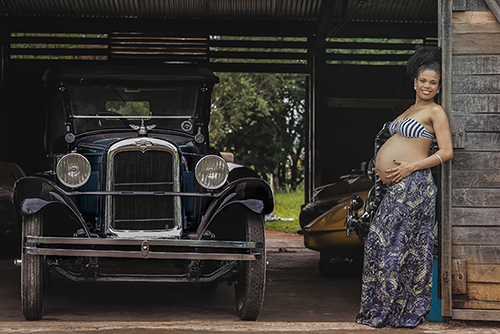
column 3, row 59
column 309, row 131
column 459, row 276
column 457, row 128
column 318, row 98
column 445, row 17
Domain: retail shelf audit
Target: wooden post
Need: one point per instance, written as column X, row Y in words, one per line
column 4, row 45
column 318, row 69
column 445, row 37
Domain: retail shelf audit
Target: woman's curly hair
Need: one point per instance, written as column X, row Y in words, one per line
column 424, row 58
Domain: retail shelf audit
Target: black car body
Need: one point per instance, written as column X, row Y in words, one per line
column 134, row 192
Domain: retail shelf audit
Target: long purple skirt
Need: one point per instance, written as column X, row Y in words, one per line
column 397, row 272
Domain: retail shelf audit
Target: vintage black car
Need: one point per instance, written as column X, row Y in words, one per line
column 134, row 191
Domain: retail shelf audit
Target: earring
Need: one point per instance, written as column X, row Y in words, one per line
column 415, row 87
column 438, row 91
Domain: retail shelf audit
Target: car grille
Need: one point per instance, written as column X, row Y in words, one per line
column 143, row 170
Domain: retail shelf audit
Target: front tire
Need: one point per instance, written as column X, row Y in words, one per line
column 31, row 271
column 250, row 284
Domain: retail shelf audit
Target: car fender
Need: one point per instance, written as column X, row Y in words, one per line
column 33, row 194
column 239, row 172
column 327, row 232
column 253, row 193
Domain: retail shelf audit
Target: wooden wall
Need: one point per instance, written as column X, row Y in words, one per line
column 475, row 168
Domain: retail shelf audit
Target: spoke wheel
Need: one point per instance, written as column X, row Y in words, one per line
column 250, row 284
column 32, row 271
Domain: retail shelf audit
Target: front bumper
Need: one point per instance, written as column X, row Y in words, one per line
column 227, row 253
column 144, row 249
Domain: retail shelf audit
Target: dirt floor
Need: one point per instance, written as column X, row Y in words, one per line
column 298, row 300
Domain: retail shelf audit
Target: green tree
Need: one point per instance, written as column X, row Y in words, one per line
column 260, row 118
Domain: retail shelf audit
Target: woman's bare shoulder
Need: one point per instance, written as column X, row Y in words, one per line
column 436, row 111
column 437, row 107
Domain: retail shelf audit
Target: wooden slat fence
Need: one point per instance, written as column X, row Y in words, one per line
column 475, row 178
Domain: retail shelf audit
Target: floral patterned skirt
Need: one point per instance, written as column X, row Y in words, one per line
column 397, row 272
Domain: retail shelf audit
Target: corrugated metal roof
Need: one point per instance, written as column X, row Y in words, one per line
column 181, row 9
column 394, row 10
column 295, row 10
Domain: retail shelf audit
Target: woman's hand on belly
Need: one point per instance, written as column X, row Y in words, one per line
column 402, row 170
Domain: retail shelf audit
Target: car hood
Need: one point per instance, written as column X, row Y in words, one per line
column 98, row 143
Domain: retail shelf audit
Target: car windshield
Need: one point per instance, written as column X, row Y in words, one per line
column 94, row 107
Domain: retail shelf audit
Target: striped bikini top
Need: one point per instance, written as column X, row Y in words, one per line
column 409, row 128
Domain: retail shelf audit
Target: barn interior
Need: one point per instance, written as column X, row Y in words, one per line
column 352, row 51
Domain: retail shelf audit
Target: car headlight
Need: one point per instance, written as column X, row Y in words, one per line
column 73, row 170
column 211, row 171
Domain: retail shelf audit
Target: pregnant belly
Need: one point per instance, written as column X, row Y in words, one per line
column 384, row 161
column 399, row 149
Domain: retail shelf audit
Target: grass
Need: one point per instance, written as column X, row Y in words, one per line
column 287, row 205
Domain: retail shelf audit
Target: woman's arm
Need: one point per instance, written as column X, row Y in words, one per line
column 441, row 127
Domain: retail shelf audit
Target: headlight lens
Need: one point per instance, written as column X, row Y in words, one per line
column 73, row 170
column 211, row 172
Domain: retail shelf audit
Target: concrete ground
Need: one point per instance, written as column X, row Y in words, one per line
column 298, row 300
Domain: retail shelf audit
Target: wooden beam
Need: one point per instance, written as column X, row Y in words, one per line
column 325, row 21
column 280, row 28
column 332, row 102
column 472, row 217
column 476, row 161
column 476, row 179
column 445, row 10
column 476, row 104
column 370, row 46
column 484, row 315
column 483, row 273
column 475, row 304
column 474, row 197
column 260, row 44
column 478, row 43
column 474, row 22
column 367, row 57
column 258, row 55
column 3, row 60
column 475, row 254
column 482, row 141
column 258, row 68
column 466, row 235
column 475, row 33
column 57, row 40
column 484, row 291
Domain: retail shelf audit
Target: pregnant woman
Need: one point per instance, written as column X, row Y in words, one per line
column 397, row 270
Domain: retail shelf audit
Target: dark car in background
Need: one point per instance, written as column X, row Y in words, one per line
column 134, row 192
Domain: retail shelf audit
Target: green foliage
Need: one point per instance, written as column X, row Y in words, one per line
column 287, row 205
column 260, row 118
column 129, row 108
